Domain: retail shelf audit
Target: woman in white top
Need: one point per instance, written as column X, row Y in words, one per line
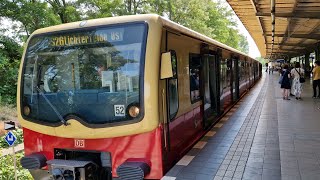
column 296, row 73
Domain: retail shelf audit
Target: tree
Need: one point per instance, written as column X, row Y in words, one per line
column 10, row 55
column 65, row 10
column 99, row 8
column 10, row 49
column 224, row 27
column 31, row 14
column 243, row 44
column 190, row 13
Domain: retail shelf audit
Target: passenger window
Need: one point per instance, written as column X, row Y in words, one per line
column 194, row 70
column 223, row 74
column 173, row 87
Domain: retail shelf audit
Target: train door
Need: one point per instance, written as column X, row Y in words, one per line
column 211, row 89
column 235, row 82
column 230, row 80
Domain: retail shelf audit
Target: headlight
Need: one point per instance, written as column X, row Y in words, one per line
column 134, row 111
column 26, row 110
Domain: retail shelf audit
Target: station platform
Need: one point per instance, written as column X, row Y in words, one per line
column 261, row 137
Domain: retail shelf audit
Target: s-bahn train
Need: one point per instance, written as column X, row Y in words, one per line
column 122, row 97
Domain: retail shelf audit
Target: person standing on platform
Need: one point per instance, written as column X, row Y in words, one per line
column 316, row 79
column 296, row 73
column 285, row 83
column 269, row 69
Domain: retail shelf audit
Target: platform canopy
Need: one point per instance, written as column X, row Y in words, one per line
column 281, row 28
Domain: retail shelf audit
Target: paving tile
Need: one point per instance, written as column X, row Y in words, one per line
column 175, row 171
column 226, row 162
column 271, row 172
column 218, row 178
column 238, row 174
column 168, row 178
column 203, row 177
column 240, row 168
column 269, row 177
column 271, row 166
column 193, row 152
column 227, row 178
column 228, row 157
column 252, row 170
column 208, row 171
column 234, row 162
column 229, row 174
column 218, row 125
column 223, row 166
column 221, row 172
column 252, row 177
column 185, row 160
column 255, row 159
column 212, row 165
column 200, row 145
column 310, row 176
column 255, row 164
column 272, row 161
column 186, row 175
column 210, row 133
column 290, row 177
column 290, row 172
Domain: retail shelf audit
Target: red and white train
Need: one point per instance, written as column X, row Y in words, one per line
column 122, row 97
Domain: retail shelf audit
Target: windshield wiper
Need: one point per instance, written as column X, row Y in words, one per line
column 64, row 122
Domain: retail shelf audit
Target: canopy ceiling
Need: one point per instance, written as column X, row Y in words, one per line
column 281, row 28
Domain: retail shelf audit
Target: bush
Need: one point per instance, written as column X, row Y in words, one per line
column 8, row 80
column 7, row 168
column 18, row 133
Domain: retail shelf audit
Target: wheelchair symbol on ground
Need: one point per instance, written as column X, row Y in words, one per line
column 10, row 138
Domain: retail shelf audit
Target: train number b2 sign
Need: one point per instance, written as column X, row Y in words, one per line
column 79, row 143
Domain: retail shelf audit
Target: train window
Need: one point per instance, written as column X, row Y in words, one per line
column 229, row 72
column 173, row 87
column 223, row 78
column 194, row 70
column 174, row 63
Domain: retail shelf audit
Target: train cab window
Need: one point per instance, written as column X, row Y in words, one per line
column 194, row 70
column 173, row 87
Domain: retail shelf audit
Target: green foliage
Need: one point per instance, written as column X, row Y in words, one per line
column 192, row 14
column 10, row 54
column 31, row 15
column 65, row 10
column 261, row 60
column 18, row 133
column 91, row 9
column 243, row 44
column 7, row 168
column 8, row 80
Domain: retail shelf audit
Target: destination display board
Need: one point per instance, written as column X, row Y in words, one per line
column 91, row 37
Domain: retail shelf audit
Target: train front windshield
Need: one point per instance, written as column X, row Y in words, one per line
column 93, row 75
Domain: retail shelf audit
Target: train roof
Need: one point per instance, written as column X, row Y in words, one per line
column 141, row 17
column 192, row 33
